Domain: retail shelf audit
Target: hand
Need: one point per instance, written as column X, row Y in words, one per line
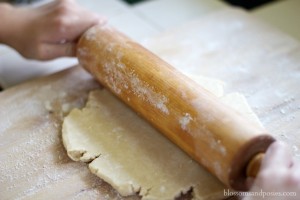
column 48, row 31
column 279, row 173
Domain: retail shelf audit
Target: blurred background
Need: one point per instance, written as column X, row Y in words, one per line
column 248, row 4
column 283, row 14
column 143, row 19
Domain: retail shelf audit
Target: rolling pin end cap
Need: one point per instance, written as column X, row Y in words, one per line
column 247, row 162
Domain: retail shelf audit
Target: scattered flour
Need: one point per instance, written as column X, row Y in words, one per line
column 184, row 121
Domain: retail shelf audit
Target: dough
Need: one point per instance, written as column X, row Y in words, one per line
column 131, row 155
column 125, row 151
column 238, row 102
column 213, row 85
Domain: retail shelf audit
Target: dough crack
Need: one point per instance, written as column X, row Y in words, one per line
column 188, row 194
column 76, row 155
column 146, row 193
column 96, row 157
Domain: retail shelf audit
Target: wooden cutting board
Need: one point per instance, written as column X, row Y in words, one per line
column 248, row 56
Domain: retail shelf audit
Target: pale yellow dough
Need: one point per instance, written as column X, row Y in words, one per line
column 133, row 157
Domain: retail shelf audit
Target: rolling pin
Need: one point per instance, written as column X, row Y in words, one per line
column 219, row 138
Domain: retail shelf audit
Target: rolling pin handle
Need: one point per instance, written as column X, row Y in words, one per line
column 254, row 165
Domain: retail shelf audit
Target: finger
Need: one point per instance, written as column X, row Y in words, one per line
column 278, row 155
column 70, row 30
column 51, row 51
column 76, row 26
column 102, row 20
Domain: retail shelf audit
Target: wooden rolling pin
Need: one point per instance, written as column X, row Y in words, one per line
column 219, row 138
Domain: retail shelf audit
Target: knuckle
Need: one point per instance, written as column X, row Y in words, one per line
column 63, row 8
column 60, row 24
column 62, row 16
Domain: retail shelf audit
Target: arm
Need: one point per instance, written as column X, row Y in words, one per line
column 5, row 10
column 45, row 32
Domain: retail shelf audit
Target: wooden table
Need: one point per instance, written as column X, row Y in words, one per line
column 250, row 57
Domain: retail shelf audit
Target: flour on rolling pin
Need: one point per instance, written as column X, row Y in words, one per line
column 120, row 78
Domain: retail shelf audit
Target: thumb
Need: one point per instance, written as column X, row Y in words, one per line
column 278, row 155
column 52, row 51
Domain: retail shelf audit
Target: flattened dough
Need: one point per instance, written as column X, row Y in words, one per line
column 213, row 85
column 133, row 157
